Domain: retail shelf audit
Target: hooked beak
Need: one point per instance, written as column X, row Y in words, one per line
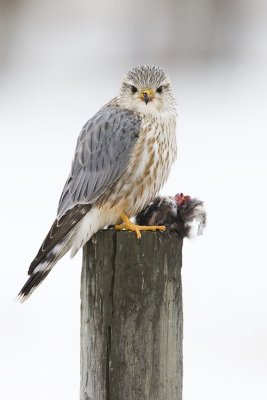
column 147, row 95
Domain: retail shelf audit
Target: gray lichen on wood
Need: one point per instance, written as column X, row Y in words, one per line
column 131, row 317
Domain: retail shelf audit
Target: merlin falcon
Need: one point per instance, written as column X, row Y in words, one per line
column 123, row 157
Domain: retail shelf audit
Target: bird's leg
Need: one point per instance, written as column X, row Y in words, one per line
column 127, row 224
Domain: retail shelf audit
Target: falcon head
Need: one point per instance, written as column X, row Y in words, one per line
column 146, row 89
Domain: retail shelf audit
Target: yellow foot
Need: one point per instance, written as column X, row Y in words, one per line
column 127, row 224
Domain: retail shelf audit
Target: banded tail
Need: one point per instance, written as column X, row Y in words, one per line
column 56, row 244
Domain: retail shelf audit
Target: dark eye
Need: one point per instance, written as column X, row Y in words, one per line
column 133, row 89
column 159, row 89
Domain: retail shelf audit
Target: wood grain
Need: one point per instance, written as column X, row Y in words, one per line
column 131, row 317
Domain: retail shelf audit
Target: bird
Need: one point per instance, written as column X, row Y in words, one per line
column 180, row 213
column 122, row 159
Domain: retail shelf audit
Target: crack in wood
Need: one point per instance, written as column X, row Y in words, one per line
column 131, row 325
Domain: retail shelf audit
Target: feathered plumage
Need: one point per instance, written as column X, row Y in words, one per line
column 123, row 156
column 180, row 213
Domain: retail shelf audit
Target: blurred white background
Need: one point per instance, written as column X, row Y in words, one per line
column 59, row 63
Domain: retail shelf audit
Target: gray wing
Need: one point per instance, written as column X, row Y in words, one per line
column 102, row 155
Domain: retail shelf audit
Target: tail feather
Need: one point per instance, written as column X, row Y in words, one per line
column 34, row 280
column 41, row 271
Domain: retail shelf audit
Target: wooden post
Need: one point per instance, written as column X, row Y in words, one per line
column 131, row 317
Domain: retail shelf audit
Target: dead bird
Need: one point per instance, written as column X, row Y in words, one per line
column 181, row 214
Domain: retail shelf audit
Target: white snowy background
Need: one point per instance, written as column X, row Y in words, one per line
column 59, row 63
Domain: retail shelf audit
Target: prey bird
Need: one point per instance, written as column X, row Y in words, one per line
column 181, row 214
column 123, row 157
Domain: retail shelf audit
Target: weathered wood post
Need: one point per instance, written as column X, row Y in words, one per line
column 131, row 317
